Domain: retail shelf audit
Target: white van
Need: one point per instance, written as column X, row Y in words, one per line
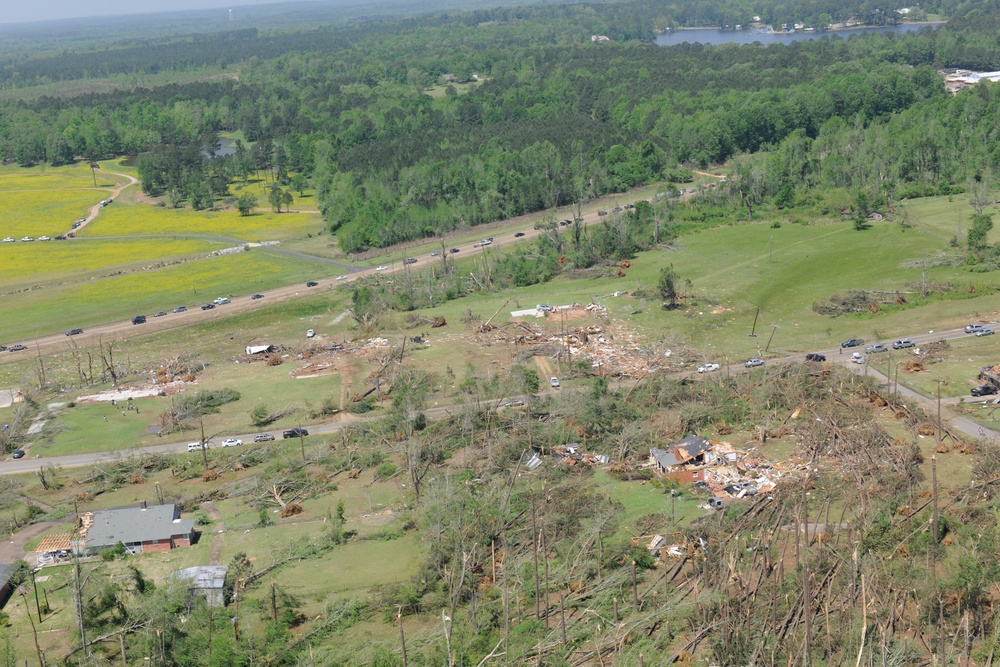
column 195, row 446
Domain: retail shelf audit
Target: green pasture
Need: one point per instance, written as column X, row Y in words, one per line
column 136, row 219
column 30, row 264
column 306, row 201
column 143, row 292
column 76, row 176
column 44, row 212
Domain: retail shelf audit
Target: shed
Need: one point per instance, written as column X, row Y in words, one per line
column 206, row 581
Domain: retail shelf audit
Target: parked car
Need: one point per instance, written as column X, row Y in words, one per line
column 311, row 333
column 232, row 442
column 381, row 268
column 263, row 437
column 9, row 239
column 973, row 328
column 44, row 238
column 312, row 283
column 544, row 308
column 985, row 332
column 74, row 332
column 453, row 251
column 196, row 446
column 858, row 358
column 852, row 342
column 554, row 382
column 180, row 309
column 565, row 223
column 984, row 390
column 903, row 343
column 876, row 347
column 208, row 306
column 815, row 356
column 18, row 454
column 518, row 235
column 139, row 319
column 18, row 348
column 294, row 433
column 486, row 241
column 220, row 301
column 434, row 253
column 336, row 347
column 160, row 314
column 708, row 368
column 59, row 238
column 752, row 363
column 256, row 296
column 26, row 239
column 410, row 260
column 3, row 348
column 343, row 277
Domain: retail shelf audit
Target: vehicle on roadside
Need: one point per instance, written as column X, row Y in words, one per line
column 858, row 358
column 294, row 433
column 27, row 239
column 232, row 442
column 410, row 260
column 312, row 283
column 852, row 342
column 256, row 296
column 544, row 308
column 71, row 235
column 983, row 390
column 311, row 333
column 343, row 277
column 160, row 313
column 554, row 382
column 3, row 348
column 180, row 309
column 602, row 213
column 565, row 223
column 518, row 235
column 381, row 268
column 139, row 319
column 453, row 251
column 815, row 356
column 263, row 437
column 18, row 454
column 18, row 348
column 59, row 238
column 753, row 363
column 903, row 343
column 876, row 347
column 208, row 306
column 486, row 241
column 9, row 239
column 985, row 332
column 220, row 301
column 513, row 403
column 74, row 332
column 44, row 238
column 973, row 328
column 196, row 446
column 434, row 253
column 708, row 368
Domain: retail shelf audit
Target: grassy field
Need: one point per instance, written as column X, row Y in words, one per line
column 44, row 212
column 75, row 176
column 129, row 219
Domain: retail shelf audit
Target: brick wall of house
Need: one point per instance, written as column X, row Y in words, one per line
column 181, row 541
column 163, row 545
column 687, row 476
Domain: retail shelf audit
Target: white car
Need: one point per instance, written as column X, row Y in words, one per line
column 44, row 238
column 554, row 381
column 754, row 363
column 858, row 358
column 343, row 277
column 232, row 442
column 708, row 368
column 220, row 301
column 27, row 238
column 381, row 268
column 9, row 239
column 311, row 333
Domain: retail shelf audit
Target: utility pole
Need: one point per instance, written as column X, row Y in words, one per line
column 939, row 411
column 302, row 442
column 41, row 658
column 38, row 606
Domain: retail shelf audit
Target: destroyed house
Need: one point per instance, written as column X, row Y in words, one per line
column 684, row 460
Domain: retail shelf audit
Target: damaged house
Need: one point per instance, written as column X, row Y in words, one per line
column 684, row 461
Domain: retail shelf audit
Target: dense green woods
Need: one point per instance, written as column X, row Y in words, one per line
column 553, row 120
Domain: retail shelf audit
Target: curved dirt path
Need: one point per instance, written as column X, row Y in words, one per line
column 96, row 208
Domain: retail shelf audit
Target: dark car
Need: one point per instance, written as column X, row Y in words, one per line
column 518, row 235
column 256, row 296
column 74, row 332
column 985, row 390
column 815, row 356
column 565, row 223
column 263, row 437
column 3, row 348
column 294, row 433
column 453, row 250
column 312, row 283
column 139, row 319
column 18, row 348
column 180, row 309
column 852, row 342
column 18, row 454
column 208, row 306
column 61, row 237
column 160, row 314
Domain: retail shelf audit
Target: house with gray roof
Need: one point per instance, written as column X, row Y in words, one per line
column 141, row 529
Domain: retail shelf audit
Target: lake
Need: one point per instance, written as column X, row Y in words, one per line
column 716, row 36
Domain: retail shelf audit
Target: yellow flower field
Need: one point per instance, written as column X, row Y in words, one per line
column 125, row 219
column 44, row 261
column 50, row 213
column 13, row 177
column 91, row 302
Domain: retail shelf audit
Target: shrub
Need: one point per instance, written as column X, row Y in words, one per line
column 385, row 470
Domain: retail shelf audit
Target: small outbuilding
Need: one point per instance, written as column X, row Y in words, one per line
column 206, row 581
